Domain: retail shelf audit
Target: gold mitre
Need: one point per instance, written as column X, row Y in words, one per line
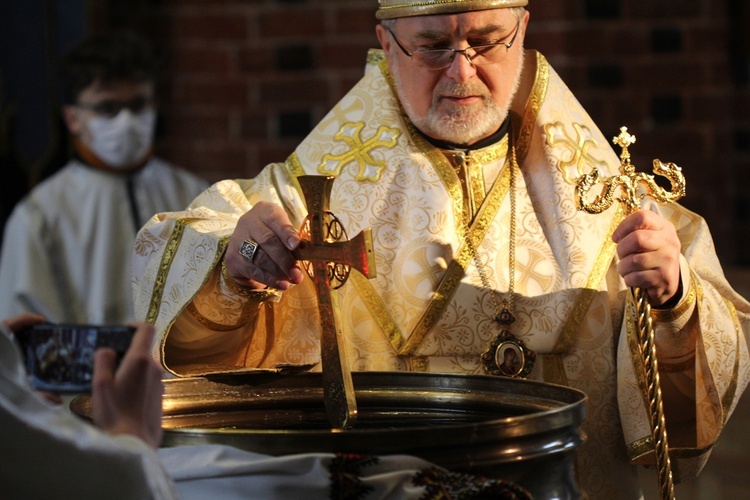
column 391, row 9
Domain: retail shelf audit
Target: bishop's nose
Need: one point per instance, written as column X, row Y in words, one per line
column 461, row 68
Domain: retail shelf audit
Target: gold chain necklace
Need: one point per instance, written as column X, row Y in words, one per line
column 506, row 355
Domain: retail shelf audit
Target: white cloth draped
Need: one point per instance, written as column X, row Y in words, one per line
column 47, row 452
column 217, row 471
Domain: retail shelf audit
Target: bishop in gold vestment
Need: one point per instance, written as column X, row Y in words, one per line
column 429, row 309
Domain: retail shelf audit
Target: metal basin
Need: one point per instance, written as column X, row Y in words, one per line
column 511, row 429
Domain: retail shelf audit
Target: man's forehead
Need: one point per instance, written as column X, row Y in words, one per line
column 485, row 21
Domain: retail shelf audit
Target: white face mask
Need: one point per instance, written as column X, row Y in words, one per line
column 123, row 140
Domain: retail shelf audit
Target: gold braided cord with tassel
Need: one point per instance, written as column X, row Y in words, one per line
column 636, row 186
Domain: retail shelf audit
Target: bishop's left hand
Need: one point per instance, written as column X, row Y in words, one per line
column 649, row 252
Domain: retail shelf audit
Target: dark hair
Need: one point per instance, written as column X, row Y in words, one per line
column 105, row 59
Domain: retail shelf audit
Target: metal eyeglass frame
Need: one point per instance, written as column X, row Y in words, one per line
column 411, row 55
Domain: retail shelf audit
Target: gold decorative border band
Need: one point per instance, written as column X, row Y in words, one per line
column 391, row 9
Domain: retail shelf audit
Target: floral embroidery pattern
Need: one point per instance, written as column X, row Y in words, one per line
column 345, row 470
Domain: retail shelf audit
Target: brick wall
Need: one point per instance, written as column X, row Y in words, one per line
column 663, row 69
column 247, row 79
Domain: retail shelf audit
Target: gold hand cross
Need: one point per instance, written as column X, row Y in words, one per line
column 329, row 258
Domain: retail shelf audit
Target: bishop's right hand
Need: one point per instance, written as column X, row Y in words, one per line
column 259, row 253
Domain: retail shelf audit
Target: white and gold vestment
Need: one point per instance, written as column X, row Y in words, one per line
column 427, row 309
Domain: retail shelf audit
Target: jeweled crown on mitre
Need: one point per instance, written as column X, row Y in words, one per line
column 391, row 9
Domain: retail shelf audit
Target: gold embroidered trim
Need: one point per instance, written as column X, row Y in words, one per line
column 577, row 315
column 435, row 308
column 232, row 285
column 374, row 56
column 294, row 167
column 484, row 155
column 292, row 170
column 470, row 173
column 457, row 267
column 378, row 310
column 669, row 315
column 476, row 187
column 641, row 452
column 553, row 369
column 461, row 209
column 253, row 295
column 641, row 447
column 420, row 364
column 531, row 111
column 170, row 249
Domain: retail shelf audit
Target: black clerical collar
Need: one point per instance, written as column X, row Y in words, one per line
column 487, row 141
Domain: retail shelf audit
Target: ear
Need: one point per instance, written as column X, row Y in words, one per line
column 525, row 23
column 385, row 40
column 72, row 121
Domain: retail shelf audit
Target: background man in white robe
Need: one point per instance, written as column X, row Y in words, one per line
column 66, row 246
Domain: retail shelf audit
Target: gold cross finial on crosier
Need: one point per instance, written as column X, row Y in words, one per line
column 625, row 140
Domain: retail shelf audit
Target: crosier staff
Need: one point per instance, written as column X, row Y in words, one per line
column 635, row 186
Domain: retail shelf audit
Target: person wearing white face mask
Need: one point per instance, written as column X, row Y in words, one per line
column 66, row 248
column 124, row 139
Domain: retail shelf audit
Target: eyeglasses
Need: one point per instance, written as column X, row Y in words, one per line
column 112, row 107
column 481, row 55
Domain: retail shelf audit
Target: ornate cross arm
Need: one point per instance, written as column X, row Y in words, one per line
column 347, row 253
column 328, row 258
column 635, row 186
